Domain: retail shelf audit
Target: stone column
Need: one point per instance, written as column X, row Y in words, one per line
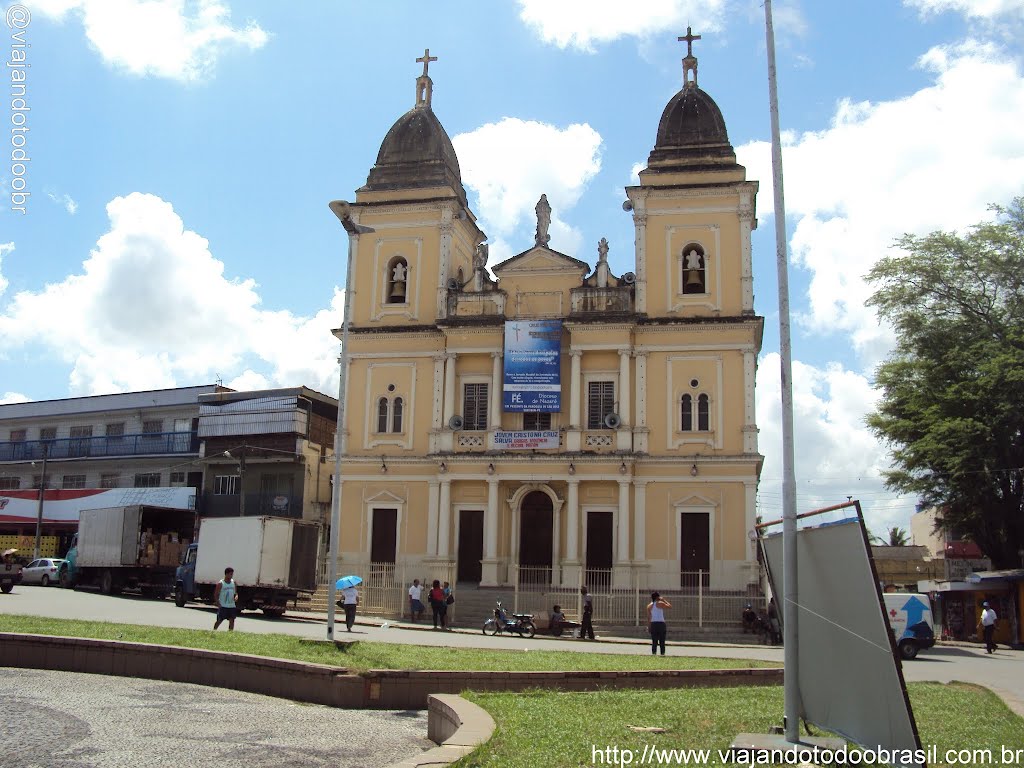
column 639, row 521
column 444, row 526
column 448, row 441
column 556, row 535
column 750, row 520
column 640, row 240
column 571, row 563
column 489, row 574
column 620, row 573
column 432, row 508
column 437, row 411
column 746, row 214
column 447, row 227
column 641, row 433
column 749, row 413
column 572, row 442
column 624, row 433
column 343, row 428
column 494, row 410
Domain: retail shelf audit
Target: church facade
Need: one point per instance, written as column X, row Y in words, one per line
column 548, row 418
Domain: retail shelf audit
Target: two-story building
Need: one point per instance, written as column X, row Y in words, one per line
column 554, row 422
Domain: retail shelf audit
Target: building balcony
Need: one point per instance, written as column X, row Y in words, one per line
column 273, row 504
column 148, row 444
column 587, row 300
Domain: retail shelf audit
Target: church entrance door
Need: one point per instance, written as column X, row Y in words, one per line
column 536, row 530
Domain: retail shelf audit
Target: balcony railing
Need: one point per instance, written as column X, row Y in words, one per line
column 273, row 504
column 90, row 447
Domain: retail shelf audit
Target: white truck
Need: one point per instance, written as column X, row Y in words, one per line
column 274, row 560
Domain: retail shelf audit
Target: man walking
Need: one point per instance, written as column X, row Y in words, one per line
column 988, row 627
column 415, row 600
column 224, row 599
column 587, row 629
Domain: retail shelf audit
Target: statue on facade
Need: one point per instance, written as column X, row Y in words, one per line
column 543, row 220
column 602, row 250
column 693, row 260
column 399, row 273
column 481, row 256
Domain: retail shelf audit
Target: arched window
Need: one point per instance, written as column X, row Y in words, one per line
column 687, row 422
column 703, row 420
column 702, row 413
column 382, row 415
column 396, row 415
column 694, row 266
column 398, row 281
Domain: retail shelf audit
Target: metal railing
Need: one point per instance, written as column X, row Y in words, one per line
column 87, row 447
column 385, row 587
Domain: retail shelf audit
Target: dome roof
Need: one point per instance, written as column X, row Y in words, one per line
column 416, row 153
column 691, row 133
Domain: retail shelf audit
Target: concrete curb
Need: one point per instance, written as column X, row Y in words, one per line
column 457, row 726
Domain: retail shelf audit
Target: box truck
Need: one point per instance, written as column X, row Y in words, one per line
column 274, row 560
column 136, row 547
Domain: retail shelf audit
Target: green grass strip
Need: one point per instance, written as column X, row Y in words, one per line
column 364, row 655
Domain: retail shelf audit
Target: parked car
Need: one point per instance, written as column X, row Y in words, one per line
column 43, row 571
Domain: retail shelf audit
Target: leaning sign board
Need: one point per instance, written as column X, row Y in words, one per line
column 850, row 679
column 533, row 366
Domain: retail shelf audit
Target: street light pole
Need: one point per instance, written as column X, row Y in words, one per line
column 343, row 211
column 39, row 509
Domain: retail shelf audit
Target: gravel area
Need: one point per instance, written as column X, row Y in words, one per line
column 77, row 720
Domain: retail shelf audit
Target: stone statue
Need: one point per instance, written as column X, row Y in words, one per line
column 543, row 220
column 399, row 274
column 693, row 260
column 602, row 249
column 481, row 256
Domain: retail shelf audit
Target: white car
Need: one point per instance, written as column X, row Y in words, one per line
column 43, row 571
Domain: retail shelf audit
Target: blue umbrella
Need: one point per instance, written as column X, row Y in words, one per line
column 349, row 581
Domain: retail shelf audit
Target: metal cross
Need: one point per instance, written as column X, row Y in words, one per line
column 426, row 58
column 689, row 38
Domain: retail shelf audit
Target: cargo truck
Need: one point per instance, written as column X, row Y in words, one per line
column 274, row 560
column 136, row 547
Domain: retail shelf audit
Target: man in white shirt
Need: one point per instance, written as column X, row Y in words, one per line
column 350, row 598
column 415, row 601
column 224, row 599
column 988, row 627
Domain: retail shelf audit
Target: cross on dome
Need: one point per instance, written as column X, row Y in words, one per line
column 689, row 37
column 690, row 62
column 424, row 86
column 426, row 58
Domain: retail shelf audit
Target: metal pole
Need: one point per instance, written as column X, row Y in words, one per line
column 791, row 691
column 39, row 509
column 344, row 213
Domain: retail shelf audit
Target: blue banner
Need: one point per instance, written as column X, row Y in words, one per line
column 533, row 366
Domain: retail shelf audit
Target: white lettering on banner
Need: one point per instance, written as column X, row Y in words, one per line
column 524, row 441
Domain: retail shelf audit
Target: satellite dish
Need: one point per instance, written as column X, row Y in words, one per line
column 612, row 421
column 454, row 284
column 456, row 422
column 629, row 278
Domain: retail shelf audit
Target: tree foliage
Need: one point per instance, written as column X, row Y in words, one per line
column 898, row 537
column 952, row 404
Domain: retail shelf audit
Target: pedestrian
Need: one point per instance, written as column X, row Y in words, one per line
column 656, row 622
column 350, row 598
column 987, row 623
column 449, row 599
column 415, row 603
column 587, row 628
column 774, row 627
column 224, row 598
column 438, row 608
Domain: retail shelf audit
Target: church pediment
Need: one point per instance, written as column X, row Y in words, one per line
column 541, row 259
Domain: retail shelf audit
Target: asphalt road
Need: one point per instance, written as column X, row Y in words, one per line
column 1002, row 672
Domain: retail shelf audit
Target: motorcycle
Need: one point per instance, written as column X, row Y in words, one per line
column 520, row 623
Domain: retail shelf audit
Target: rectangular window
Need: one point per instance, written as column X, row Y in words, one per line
column 474, row 406
column 48, row 433
column 37, row 482
column 226, row 485
column 177, row 479
column 10, row 483
column 147, row 480
column 81, row 431
column 73, row 481
column 536, row 421
column 18, row 435
column 110, row 480
column 152, row 427
column 115, row 430
column 600, row 403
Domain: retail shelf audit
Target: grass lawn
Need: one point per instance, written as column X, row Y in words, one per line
column 361, row 656
column 563, row 729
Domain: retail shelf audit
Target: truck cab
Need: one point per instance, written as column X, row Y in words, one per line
column 66, row 575
column 10, row 572
column 185, row 576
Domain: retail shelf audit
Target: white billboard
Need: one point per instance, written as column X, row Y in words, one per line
column 64, row 506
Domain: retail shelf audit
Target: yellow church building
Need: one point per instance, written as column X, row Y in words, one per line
column 548, row 421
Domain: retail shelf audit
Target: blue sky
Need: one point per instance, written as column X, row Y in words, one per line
column 183, row 155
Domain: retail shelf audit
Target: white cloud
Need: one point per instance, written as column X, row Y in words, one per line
column 976, row 9
column 4, row 248
column 65, row 201
column 12, row 397
column 152, row 308
column 581, row 24
column 510, row 164
column 177, row 39
column 835, row 455
column 932, row 160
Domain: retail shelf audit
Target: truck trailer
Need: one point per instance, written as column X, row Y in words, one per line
column 136, row 547
column 274, row 560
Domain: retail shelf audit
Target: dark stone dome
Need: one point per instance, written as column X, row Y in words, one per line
column 691, row 133
column 416, row 153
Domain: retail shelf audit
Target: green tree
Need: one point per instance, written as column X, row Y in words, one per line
column 898, row 537
column 952, row 403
